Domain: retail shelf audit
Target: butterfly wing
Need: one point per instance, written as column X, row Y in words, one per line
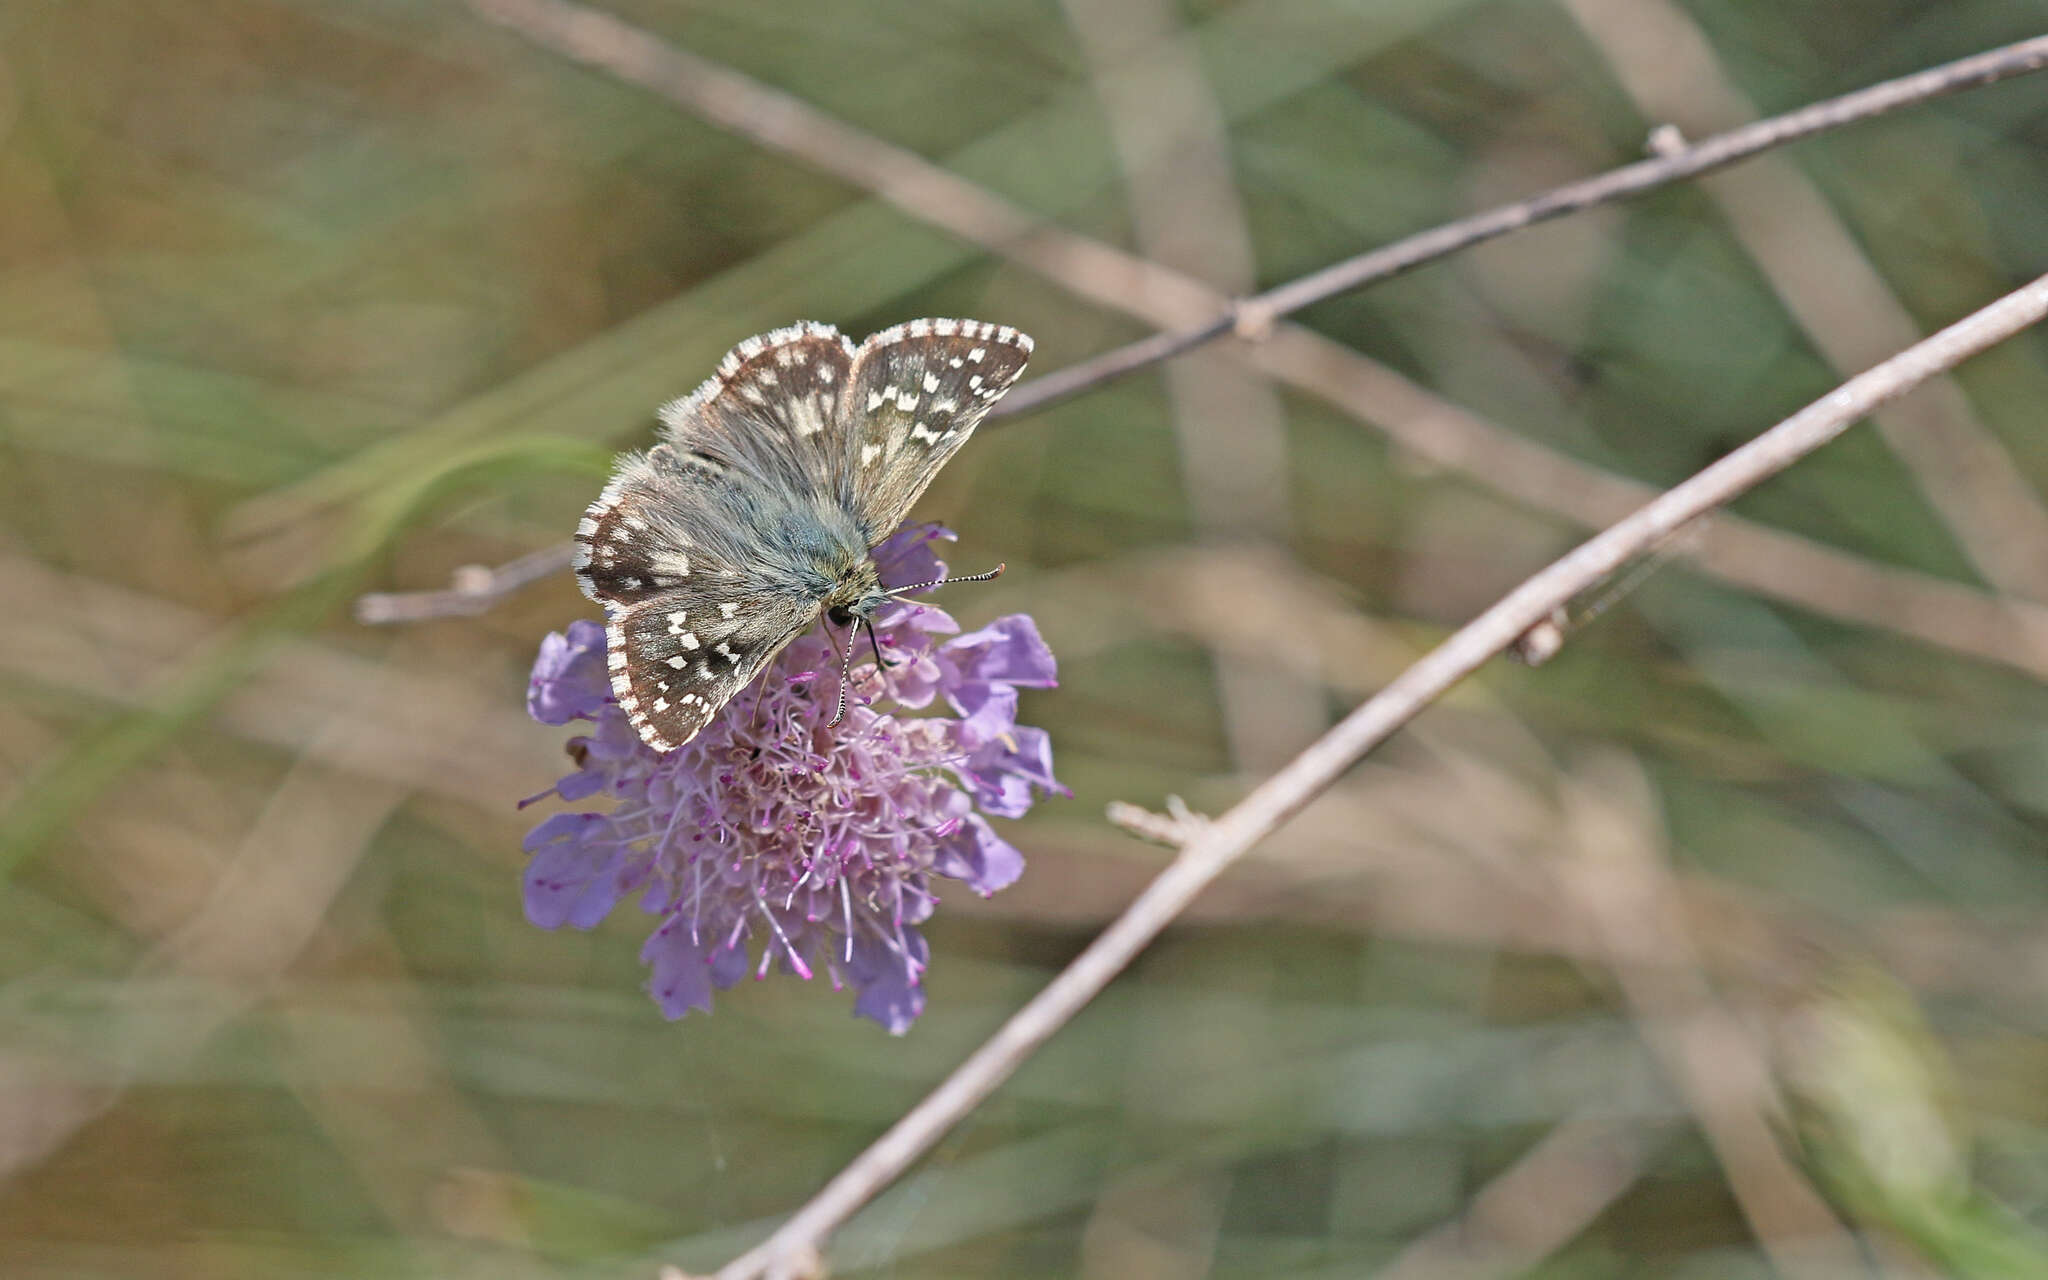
column 771, row 410
column 692, row 615
column 679, row 657
column 917, row 392
column 689, row 548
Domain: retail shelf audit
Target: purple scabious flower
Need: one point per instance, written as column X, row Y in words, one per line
column 771, row 841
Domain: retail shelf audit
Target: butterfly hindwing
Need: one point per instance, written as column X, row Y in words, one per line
column 637, row 539
column 676, row 658
column 917, row 392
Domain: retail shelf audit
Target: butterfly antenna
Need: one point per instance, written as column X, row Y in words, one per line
column 845, row 674
column 943, row 582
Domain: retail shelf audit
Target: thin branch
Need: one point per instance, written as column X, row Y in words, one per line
column 473, row 590
column 1174, row 828
column 1229, row 837
column 1252, row 316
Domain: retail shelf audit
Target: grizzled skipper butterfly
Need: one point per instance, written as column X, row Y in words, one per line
column 757, row 511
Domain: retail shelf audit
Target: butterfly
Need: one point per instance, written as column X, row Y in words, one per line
column 757, row 512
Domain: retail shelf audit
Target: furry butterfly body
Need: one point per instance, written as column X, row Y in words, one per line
column 756, row 513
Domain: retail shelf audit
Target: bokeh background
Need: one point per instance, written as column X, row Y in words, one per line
column 1715, row 947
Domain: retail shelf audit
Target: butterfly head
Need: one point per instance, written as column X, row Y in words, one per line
column 857, row 596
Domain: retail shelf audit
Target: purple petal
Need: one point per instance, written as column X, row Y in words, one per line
column 584, row 782
column 920, row 620
column 1003, row 794
column 614, row 739
column 574, row 877
column 890, row 992
column 679, row 973
column 914, row 683
column 977, row 855
column 906, row 557
column 1007, row 650
column 1004, row 769
column 568, row 681
column 988, row 711
column 729, row 964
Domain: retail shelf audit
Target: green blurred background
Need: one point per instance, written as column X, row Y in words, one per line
column 1717, row 946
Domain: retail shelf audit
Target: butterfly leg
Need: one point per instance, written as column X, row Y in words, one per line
column 845, row 674
column 881, row 663
column 754, row 716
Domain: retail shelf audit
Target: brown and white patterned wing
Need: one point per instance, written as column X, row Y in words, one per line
column 918, row 390
column 692, row 614
column 770, row 409
column 678, row 657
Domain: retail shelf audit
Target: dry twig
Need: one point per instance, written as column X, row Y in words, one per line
column 1257, row 313
column 473, row 590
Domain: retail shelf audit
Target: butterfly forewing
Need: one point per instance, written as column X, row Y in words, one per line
column 771, row 409
column 765, row 423
column 635, row 541
column 917, row 392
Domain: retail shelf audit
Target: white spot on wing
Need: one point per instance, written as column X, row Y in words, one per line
column 807, row 416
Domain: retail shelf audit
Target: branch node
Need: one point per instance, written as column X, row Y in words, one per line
column 473, row 580
column 1665, row 141
column 1252, row 320
column 472, row 589
column 1174, row 828
column 1540, row 643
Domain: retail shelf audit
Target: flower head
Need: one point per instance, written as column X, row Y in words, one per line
column 772, row 840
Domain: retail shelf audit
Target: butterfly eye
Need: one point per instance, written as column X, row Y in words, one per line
column 840, row 615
